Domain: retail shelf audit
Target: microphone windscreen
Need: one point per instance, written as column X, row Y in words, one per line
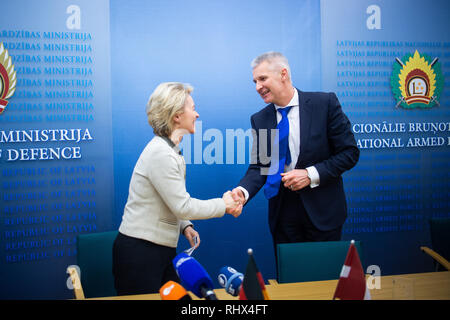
column 192, row 274
column 173, row 291
column 231, row 280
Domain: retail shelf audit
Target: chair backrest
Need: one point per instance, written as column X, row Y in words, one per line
column 94, row 257
column 312, row 261
column 440, row 237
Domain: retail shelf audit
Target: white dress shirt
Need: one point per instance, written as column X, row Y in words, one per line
column 294, row 129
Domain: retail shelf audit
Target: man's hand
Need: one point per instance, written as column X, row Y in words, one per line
column 238, row 195
column 296, row 179
column 233, row 207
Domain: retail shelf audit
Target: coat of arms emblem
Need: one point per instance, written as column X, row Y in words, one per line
column 7, row 78
column 417, row 81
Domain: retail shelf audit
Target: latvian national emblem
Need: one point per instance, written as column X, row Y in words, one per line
column 7, row 78
column 417, row 81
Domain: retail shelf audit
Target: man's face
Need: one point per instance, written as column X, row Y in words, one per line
column 270, row 82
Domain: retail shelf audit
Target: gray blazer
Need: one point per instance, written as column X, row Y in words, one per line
column 158, row 205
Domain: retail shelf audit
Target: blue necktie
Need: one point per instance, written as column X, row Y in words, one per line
column 284, row 155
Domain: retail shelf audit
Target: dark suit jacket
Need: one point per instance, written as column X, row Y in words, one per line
column 326, row 142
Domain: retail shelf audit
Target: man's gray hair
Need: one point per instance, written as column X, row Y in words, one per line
column 273, row 58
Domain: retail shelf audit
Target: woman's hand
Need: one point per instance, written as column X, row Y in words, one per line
column 232, row 207
column 190, row 234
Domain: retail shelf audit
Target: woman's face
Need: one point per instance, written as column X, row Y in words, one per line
column 186, row 120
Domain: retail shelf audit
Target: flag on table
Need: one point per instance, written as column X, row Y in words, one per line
column 352, row 281
column 253, row 287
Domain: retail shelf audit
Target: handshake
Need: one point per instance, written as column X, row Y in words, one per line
column 234, row 201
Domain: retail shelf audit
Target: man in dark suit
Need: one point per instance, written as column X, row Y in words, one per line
column 303, row 181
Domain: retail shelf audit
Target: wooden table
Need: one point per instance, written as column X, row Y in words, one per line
column 418, row 286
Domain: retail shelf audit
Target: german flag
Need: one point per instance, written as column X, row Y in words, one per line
column 253, row 287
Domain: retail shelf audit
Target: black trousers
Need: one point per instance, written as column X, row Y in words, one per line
column 294, row 224
column 141, row 266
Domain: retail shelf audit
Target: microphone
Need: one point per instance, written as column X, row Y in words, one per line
column 194, row 276
column 231, row 280
column 173, row 291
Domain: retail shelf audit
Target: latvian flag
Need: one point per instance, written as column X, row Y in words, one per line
column 352, row 282
column 253, row 287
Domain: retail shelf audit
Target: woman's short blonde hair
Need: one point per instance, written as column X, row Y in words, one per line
column 165, row 102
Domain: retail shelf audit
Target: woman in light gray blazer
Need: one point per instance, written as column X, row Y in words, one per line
column 158, row 208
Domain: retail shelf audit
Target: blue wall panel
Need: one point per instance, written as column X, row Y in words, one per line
column 63, row 84
column 397, row 185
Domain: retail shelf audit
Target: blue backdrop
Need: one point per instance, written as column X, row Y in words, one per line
column 123, row 49
column 210, row 46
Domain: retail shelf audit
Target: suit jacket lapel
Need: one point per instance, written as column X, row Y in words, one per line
column 305, row 121
column 272, row 117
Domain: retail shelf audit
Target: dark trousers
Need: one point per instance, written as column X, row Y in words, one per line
column 294, row 224
column 141, row 266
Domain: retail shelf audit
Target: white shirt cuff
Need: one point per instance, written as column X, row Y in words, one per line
column 244, row 191
column 313, row 175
